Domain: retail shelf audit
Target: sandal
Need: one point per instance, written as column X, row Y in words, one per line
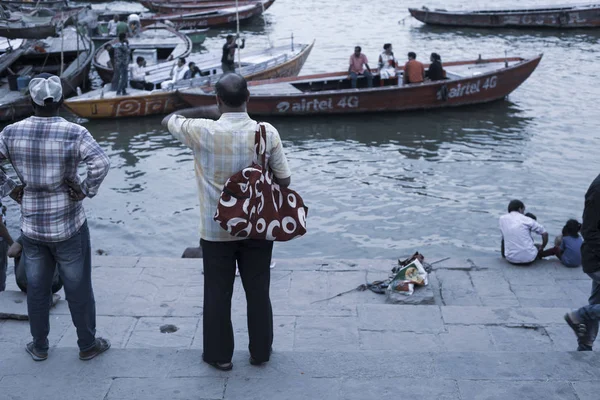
column 221, row 366
column 100, row 347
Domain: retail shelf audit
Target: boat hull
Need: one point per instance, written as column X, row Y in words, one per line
column 460, row 92
column 189, row 20
column 160, row 102
column 563, row 18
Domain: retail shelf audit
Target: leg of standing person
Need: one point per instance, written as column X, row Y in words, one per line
column 74, row 260
column 369, row 77
column 3, row 264
column 39, row 268
column 219, row 275
column 123, row 73
column 588, row 316
column 254, row 262
column 353, row 78
column 114, row 83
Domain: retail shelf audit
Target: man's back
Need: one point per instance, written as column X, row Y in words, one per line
column 414, row 71
column 221, row 149
column 590, row 229
column 45, row 152
column 516, row 231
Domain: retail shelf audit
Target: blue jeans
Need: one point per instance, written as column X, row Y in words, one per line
column 354, row 76
column 73, row 258
column 123, row 72
column 3, row 264
column 590, row 314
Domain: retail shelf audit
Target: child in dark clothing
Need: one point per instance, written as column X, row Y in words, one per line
column 568, row 246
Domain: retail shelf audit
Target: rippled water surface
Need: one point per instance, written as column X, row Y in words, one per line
column 382, row 185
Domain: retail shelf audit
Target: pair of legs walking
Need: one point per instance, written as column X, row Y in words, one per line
column 253, row 259
column 584, row 321
column 73, row 259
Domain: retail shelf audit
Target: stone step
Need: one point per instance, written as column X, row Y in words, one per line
column 180, row 374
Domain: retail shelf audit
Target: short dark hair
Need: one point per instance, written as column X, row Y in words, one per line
column 532, row 216
column 387, row 46
column 229, row 37
column 234, row 93
column 412, row 54
column 191, row 63
column 182, row 59
column 436, row 57
column 515, row 205
column 122, row 36
column 358, row 47
column 571, row 228
column 139, row 59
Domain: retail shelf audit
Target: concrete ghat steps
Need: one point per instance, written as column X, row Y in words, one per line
column 495, row 332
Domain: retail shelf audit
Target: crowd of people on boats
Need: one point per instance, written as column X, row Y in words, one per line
column 413, row 72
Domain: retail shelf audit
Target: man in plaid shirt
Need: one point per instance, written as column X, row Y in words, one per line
column 45, row 151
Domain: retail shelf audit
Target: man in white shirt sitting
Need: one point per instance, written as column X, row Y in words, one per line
column 518, row 246
column 177, row 74
column 138, row 75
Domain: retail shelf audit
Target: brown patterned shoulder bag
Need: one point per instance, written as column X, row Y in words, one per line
column 253, row 205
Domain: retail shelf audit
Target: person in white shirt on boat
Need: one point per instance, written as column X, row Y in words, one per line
column 112, row 26
column 138, row 73
column 177, row 74
column 387, row 62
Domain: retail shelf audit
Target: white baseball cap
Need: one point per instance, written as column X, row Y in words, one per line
column 42, row 89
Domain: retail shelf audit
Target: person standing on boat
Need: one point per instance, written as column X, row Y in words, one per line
column 228, row 58
column 112, row 26
column 121, row 68
column 387, row 62
column 123, row 27
column 359, row 65
column 414, row 71
column 45, row 151
column 436, row 72
column 222, row 148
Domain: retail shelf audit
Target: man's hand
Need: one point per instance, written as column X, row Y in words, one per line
column 75, row 192
column 17, row 194
column 15, row 250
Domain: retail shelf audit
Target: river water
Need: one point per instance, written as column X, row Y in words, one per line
column 381, row 185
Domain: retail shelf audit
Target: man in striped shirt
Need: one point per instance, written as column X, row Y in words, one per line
column 222, row 148
column 45, row 151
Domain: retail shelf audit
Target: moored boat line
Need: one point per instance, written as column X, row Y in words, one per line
column 281, row 61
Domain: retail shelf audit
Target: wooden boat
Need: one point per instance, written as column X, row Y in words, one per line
column 7, row 45
column 567, row 16
column 166, row 42
column 275, row 62
column 209, row 18
column 148, row 3
column 469, row 82
column 197, row 36
column 44, row 56
column 176, row 8
column 37, row 24
column 42, row 3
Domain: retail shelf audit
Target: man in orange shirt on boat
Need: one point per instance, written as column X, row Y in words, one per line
column 358, row 62
column 414, row 71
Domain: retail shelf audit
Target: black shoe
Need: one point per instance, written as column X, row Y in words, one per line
column 254, row 361
column 100, row 347
column 580, row 329
column 37, row 355
column 220, row 366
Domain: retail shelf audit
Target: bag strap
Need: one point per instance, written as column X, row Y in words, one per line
column 260, row 136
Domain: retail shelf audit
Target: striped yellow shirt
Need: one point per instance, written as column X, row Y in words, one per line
column 222, row 148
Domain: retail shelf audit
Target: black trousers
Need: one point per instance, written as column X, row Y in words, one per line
column 141, row 85
column 253, row 260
